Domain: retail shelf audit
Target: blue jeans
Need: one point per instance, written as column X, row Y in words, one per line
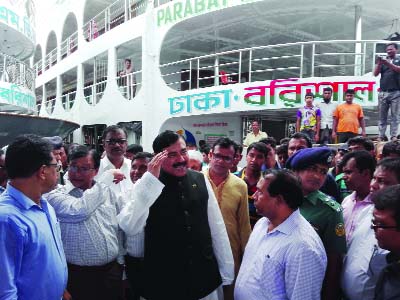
column 389, row 100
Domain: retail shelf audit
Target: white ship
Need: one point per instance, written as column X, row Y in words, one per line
column 203, row 68
column 18, row 110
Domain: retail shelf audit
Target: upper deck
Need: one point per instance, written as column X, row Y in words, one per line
column 253, row 53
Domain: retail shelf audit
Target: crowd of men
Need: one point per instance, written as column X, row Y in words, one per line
column 316, row 223
column 296, row 222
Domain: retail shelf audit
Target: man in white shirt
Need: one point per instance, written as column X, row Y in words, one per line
column 327, row 107
column 187, row 252
column 255, row 135
column 284, row 258
column 114, row 169
column 92, row 241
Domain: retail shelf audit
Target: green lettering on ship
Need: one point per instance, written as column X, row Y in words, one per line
column 180, row 10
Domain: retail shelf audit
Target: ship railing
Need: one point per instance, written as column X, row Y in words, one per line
column 50, row 103
column 291, row 60
column 69, row 45
column 129, row 84
column 113, row 15
column 68, row 100
column 38, row 67
column 16, row 72
column 94, row 92
column 50, row 59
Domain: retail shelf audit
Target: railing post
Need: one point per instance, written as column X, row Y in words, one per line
column 126, row 9
column 190, row 75
column 216, row 71
column 373, row 57
column 240, row 67
column 301, row 60
column 364, row 57
column 250, row 58
column 198, row 73
column 94, row 95
column 312, row 59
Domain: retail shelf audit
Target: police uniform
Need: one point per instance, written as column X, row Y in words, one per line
column 326, row 216
column 322, row 211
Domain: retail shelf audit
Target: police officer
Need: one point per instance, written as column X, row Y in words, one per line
column 322, row 211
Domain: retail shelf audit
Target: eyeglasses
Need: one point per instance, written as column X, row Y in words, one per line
column 377, row 226
column 57, row 166
column 115, row 141
column 83, row 170
column 226, row 159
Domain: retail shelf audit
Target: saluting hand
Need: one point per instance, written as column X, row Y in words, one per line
column 154, row 166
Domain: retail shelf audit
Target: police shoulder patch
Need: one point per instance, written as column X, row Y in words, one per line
column 339, row 229
column 328, row 200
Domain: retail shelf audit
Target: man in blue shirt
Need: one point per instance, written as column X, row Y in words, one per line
column 32, row 259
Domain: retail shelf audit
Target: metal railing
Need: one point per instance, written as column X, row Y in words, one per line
column 113, row 15
column 38, row 67
column 50, row 59
column 93, row 93
column 69, row 45
column 68, row 100
column 129, row 84
column 291, row 60
column 16, row 72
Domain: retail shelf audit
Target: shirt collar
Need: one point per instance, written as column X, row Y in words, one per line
column 109, row 165
column 23, row 200
column 287, row 226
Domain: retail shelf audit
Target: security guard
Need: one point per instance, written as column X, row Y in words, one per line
column 322, row 211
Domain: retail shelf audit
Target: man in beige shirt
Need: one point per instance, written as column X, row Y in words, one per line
column 255, row 135
column 231, row 193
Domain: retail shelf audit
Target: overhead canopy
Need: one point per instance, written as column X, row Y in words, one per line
column 13, row 125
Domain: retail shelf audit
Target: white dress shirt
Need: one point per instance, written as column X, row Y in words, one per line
column 88, row 221
column 288, row 262
column 360, row 272
column 105, row 176
column 327, row 110
column 133, row 217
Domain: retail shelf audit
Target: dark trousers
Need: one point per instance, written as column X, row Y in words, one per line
column 325, row 136
column 134, row 269
column 310, row 133
column 343, row 137
column 95, row 282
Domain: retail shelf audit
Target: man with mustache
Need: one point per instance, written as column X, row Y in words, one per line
column 115, row 168
column 187, row 255
column 324, row 213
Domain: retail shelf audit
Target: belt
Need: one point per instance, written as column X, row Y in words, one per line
column 105, row 267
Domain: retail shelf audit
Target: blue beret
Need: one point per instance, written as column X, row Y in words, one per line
column 308, row 157
column 55, row 141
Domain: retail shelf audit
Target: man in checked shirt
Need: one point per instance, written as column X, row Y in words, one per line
column 91, row 237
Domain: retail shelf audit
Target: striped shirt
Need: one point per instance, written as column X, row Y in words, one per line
column 288, row 262
column 88, row 220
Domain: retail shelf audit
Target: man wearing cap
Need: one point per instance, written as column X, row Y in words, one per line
column 324, row 213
